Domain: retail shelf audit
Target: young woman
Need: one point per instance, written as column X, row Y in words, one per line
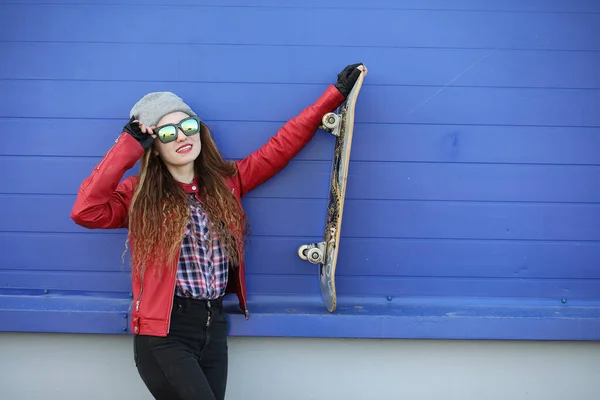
column 186, row 229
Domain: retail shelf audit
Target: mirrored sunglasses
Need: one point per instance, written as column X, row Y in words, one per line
column 168, row 132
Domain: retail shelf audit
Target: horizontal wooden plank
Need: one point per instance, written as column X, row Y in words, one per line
column 81, row 283
column 438, row 288
column 265, row 25
column 71, row 281
column 27, row 213
column 276, row 102
column 362, row 218
column 584, row 6
column 449, row 105
column 372, row 142
column 285, row 64
column 433, row 258
column 366, row 180
column 463, row 182
column 418, row 219
column 90, row 251
column 94, row 253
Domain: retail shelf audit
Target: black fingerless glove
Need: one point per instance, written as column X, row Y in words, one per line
column 133, row 128
column 347, row 78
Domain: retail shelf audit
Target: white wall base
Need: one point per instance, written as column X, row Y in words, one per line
column 92, row 367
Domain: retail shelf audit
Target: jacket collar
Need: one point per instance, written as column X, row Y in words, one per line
column 190, row 187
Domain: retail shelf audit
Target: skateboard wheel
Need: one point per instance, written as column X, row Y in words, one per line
column 302, row 252
column 330, row 120
column 314, row 255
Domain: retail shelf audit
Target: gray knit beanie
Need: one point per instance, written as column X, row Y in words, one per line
column 153, row 106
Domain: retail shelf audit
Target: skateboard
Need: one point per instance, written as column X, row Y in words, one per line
column 325, row 253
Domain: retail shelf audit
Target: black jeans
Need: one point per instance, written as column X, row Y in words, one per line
column 191, row 362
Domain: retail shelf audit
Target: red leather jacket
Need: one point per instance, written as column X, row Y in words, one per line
column 103, row 201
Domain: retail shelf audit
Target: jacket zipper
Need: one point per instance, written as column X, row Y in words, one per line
column 172, row 297
column 137, row 305
column 139, row 299
column 246, row 313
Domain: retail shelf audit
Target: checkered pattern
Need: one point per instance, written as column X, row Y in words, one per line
column 203, row 269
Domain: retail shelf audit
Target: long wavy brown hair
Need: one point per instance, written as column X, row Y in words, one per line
column 159, row 210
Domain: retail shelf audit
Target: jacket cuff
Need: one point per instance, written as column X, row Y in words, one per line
column 129, row 144
column 330, row 99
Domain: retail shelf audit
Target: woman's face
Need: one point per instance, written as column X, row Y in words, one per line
column 184, row 149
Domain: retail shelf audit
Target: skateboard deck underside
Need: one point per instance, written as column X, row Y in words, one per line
column 335, row 203
column 335, row 208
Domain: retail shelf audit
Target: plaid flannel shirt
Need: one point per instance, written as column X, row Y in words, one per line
column 203, row 269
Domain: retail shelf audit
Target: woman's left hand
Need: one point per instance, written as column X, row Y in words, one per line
column 347, row 78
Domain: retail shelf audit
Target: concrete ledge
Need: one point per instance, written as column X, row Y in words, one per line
column 284, row 316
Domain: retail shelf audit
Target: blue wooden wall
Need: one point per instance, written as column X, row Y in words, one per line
column 474, row 176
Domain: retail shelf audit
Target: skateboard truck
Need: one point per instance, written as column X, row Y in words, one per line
column 331, row 123
column 314, row 253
